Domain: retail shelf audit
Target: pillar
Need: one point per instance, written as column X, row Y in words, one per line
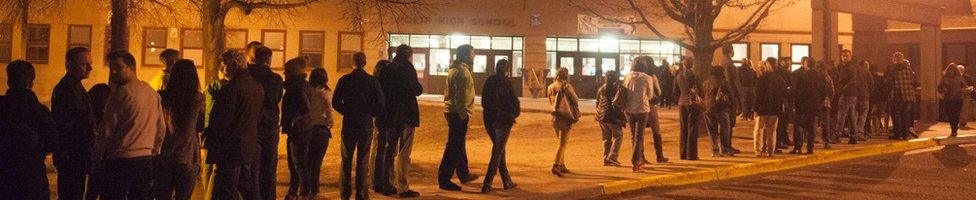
column 930, row 50
column 824, row 31
column 870, row 40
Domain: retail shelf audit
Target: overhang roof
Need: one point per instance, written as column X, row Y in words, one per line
column 952, row 7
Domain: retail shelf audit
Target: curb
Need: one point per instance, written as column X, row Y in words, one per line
column 748, row 169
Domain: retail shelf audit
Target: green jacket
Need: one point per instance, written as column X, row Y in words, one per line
column 459, row 94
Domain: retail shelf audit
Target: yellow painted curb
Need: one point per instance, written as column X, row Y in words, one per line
column 764, row 166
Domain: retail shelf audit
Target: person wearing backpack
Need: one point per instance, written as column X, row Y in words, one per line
column 718, row 102
column 611, row 118
column 565, row 113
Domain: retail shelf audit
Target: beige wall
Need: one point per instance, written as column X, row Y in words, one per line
column 789, row 25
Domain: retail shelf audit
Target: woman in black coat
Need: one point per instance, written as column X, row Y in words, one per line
column 501, row 107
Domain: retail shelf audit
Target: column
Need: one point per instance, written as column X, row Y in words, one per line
column 930, row 50
column 870, row 40
column 824, row 31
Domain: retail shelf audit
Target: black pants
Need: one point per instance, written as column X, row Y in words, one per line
column 952, row 109
column 174, row 180
column 455, row 159
column 355, row 142
column 827, row 133
column 298, row 166
column 386, row 145
column 654, row 122
column 268, row 165
column 127, row 178
column 690, row 117
column 317, row 145
column 73, row 171
column 499, row 133
column 803, row 131
column 901, row 114
column 782, row 126
column 234, row 181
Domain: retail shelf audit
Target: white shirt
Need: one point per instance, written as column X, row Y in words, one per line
column 641, row 88
column 133, row 125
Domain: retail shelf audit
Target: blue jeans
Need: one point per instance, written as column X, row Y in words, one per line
column 719, row 129
column 499, row 133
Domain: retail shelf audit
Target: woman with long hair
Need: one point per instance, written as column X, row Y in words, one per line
column 183, row 105
column 771, row 89
column 641, row 88
column 952, row 87
column 565, row 113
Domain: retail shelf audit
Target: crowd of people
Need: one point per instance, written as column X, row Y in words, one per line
column 129, row 139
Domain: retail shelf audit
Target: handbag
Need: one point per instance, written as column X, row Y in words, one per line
column 620, row 99
column 566, row 110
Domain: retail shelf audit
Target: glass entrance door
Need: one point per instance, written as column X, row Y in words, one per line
column 592, row 67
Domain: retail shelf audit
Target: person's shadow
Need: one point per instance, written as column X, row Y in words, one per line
column 953, row 157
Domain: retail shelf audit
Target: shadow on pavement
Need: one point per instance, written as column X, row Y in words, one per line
column 953, row 157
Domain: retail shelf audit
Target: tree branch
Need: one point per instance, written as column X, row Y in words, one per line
column 643, row 16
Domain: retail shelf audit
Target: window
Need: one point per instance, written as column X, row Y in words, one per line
column 6, row 42
column 739, row 51
column 441, row 46
column 769, row 50
column 275, row 40
column 38, row 43
column 311, row 45
column 627, row 49
column 191, row 45
column 352, row 42
column 236, row 39
column 79, row 36
column 799, row 51
column 153, row 43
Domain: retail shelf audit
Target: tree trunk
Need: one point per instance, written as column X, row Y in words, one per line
column 214, row 37
column 119, row 25
column 703, row 62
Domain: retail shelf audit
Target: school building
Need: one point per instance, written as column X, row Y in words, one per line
column 535, row 35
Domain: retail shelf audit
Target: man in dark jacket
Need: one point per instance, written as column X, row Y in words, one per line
column 359, row 98
column 28, row 135
column 718, row 103
column 785, row 118
column 747, row 88
column 501, row 107
column 72, row 110
column 770, row 92
column 849, row 87
column 268, row 128
column 295, row 123
column 809, row 91
column 399, row 119
column 611, row 118
column 232, row 136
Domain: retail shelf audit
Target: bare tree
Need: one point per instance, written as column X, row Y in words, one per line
column 697, row 16
column 357, row 13
column 19, row 12
column 125, row 11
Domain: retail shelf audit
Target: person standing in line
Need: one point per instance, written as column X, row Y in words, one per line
column 640, row 89
column 168, row 57
column 666, row 78
column 295, row 121
column 810, row 92
column 785, row 118
column 359, row 98
column 863, row 99
column 385, row 145
column 400, row 118
column 826, row 116
column 98, row 94
column 73, row 113
column 130, row 134
column 268, row 129
column 747, row 88
column 902, row 84
column 207, row 170
column 718, row 103
column 952, row 87
column 770, row 91
column 877, row 120
column 458, row 101
column 689, row 110
column 564, row 100
column 611, row 118
column 849, row 87
column 231, row 137
column 320, row 111
column 501, row 108
column 28, row 136
column 732, row 80
column 176, row 167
